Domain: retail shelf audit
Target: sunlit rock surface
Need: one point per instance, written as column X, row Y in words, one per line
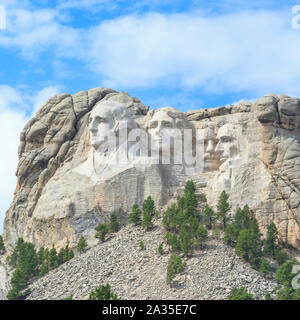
column 70, row 178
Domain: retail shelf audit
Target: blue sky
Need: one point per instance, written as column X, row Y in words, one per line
column 184, row 54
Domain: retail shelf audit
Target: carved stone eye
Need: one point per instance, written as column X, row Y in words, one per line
column 100, row 120
column 180, row 125
column 153, row 125
column 226, row 139
column 167, row 124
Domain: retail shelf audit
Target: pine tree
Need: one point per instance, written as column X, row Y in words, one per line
column 160, row 249
column 243, row 244
column 201, row 236
column 255, row 250
column 186, row 242
column 190, row 203
column 135, row 215
column 66, row 252
column 189, row 187
column 281, row 256
column 103, row 293
column 249, row 244
column 18, row 284
column 102, row 230
column 43, row 270
column 14, row 258
column 268, row 297
column 240, row 294
column 149, row 206
column 270, row 242
column 223, row 208
column 142, row 245
column 46, row 255
column 53, row 258
column 242, row 218
column 182, row 218
column 2, row 246
column 180, row 203
column 82, row 244
column 175, row 266
column 216, row 232
column 147, row 220
column 285, row 293
column 71, row 254
column 61, row 256
column 193, row 225
column 209, row 217
column 284, row 274
column 169, row 219
column 173, row 242
column 114, row 224
column 265, row 267
column 231, row 235
column 25, row 259
column 41, row 255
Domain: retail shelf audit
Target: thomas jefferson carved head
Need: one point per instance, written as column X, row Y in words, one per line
column 227, row 146
column 166, row 129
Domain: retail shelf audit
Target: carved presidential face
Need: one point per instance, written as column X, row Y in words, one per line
column 227, row 146
column 166, row 128
column 158, row 127
column 107, row 120
column 101, row 124
column 211, row 157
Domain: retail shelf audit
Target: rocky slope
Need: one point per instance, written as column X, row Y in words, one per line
column 141, row 274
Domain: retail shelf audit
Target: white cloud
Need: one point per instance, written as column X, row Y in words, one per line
column 9, row 97
column 255, row 51
column 42, row 96
column 11, row 125
column 248, row 51
column 35, row 31
column 87, row 4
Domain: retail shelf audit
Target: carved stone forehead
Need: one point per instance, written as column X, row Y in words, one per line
column 110, row 110
column 161, row 116
column 227, row 130
column 167, row 114
column 209, row 131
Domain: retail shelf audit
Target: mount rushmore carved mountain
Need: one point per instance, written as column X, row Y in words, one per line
column 68, row 182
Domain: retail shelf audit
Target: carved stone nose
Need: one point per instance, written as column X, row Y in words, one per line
column 210, row 147
column 219, row 149
column 93, row 127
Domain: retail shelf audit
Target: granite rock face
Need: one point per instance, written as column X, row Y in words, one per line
column 4, row 281
column 70, row 177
